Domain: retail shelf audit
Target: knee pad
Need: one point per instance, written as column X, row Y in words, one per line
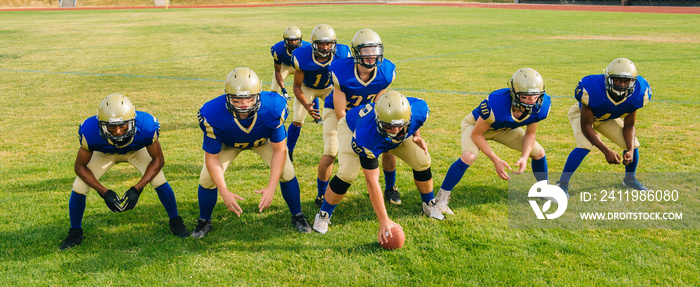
column 338, row 185
column 422, row 175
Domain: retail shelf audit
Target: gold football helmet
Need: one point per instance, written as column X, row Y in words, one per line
column 115, row 111
column 366, row 47
column 292, row 34
column 620, row 68
column 526, row 81
column 392, row 110
column 323, row 34
column 242, row 83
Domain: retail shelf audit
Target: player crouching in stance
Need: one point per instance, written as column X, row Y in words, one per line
column 608, row 103
column 500, row 117
column 392, row 124
column 244, row 118
column 119, row 134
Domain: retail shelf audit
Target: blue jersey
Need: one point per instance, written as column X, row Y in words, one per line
column 367, row 141
column 221, row 127
column 591, row 91
column 147, row 132
column 317, row 75
column 496, row 110
column 357, row 92
column 282, row 55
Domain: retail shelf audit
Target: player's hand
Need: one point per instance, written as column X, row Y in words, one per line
column 266, row 199
column 612, row 157
column 230, row 201
column 313, row 112
column 284, row 93
column 385, row 231
column 501, row 166
column 521, row 164
column 627, row 157
column 112, row 201
column 420, row 142
column 131, row 197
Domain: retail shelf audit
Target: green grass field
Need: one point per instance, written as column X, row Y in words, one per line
column 56, row 66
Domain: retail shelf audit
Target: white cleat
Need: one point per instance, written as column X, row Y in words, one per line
column 321, row 222
column 431, row 210
column 443, row 198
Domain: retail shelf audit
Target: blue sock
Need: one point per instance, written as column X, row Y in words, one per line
column 290, row 193
column 316, row 103
column 327, row 207
column 207, row 201
column 539, row 168
column 426, row 197
column 76, row 209
column 167, row 198
column 572, row 162
column 292, row 137
column 389, row 179
column 322, row 186
column 454, row 174
column 631, row 168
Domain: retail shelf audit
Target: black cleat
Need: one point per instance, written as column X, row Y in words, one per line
column 318, row 121
column 177, row 227
column 392, row 195
column 75, row 237
column 299, row 221
column 633, row 183
column 565, row 187
column 319, row 201
column 203, row 227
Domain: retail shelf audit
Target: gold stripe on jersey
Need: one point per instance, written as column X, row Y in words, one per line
column 585, row 98
column 646, row 97
column 250, row 128
column 84, row 143
column 359, row 79
column 209, row 129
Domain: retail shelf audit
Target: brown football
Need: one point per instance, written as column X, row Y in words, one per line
column 395, row 242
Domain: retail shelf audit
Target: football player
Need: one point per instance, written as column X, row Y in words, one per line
column 501, row 118
column 245, row 118
column 608, row 103
column 391, row 125
column 357, row 81
column 117, row 134
column 283, row 66
column 312, row 77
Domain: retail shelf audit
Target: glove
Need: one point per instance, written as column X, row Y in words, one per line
column 112, row 201
column 284, row 93
column 131, row 197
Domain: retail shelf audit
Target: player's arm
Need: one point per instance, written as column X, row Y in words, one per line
column 216, row 172
column 419, row 141
column 528, row 144
column 477, row 135
column 379, row 95
column 278, row 75
column 629, row 132
column 112, row 201
column 81, row 169
column 592, row 135
column 339, row 102
column 298, row 81
column 375, row 196
column 279, row 157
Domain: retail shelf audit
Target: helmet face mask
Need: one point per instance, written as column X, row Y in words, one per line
column 526, row 82
column 292, row 38
column 616, row 71
column 242, row 89
column 319, row 36
column 367, row 48
column 117, row 120
column 393, row 113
